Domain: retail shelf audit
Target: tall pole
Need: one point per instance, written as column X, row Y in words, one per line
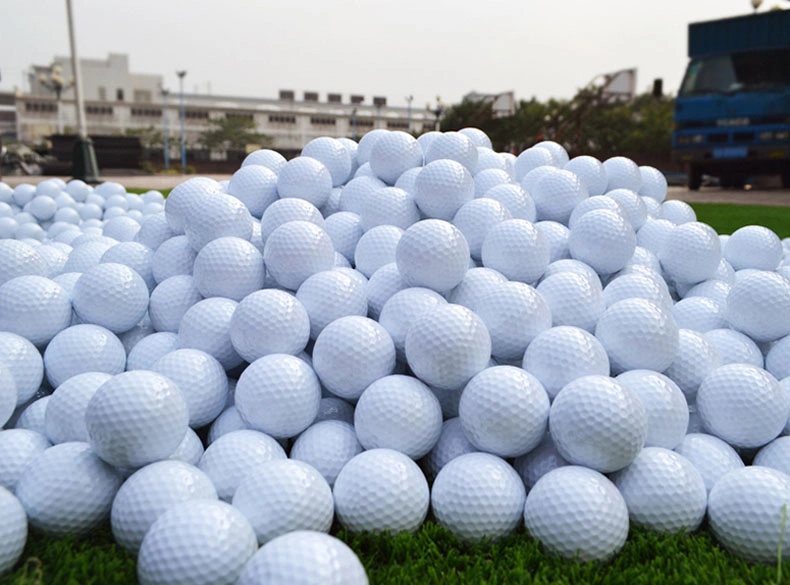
column 409, row 99
column 165, row 131
column 84, row 163
column 354, row 123
column 181, row 75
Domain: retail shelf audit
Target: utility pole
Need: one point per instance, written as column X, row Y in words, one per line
column 84, row 165
column 409, row 99
column 165, row 131
column 181, row 75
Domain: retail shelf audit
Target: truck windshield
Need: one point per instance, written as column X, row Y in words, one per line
column 749, row 71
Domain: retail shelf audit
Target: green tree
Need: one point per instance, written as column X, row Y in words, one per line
column 232, row 133
column 151, row 138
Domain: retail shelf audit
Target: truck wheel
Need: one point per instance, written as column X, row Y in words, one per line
column 694, row 177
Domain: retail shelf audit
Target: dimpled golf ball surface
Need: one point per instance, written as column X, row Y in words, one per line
column 306, row 178
column 279, row 395
column 442, row 187
column 517, row 249
column 504, row 411
column 206, row 326
column 696, row 358
column 196, row 542
column 20, row 259
column 754, row 246
column 201, row 379
column 576, row 512
column 403, row 309
column 111, row 295
column 663, row 491
column 295, row 251
column 692, row 254
column 150, row 492
column 18, row 447
column 574, row 299
column 759, row 305
column 327, row 446
column 400, row 413
column 304, row 558
column 13, row 530
column 230, row 457
column 476, row 496
column 65, row 414
column 712, row 457
column 25, row 364
column 267, row 322
column 448, row 346
column 136, row 418
column 603, row 239
column 351, row 353
column 665, row 405
column 743, row 405
column 217, row 216
column 559, row 355
column 381, row 490
column 34, row 307
column 228, row 267
column 433, row 254
column 599, row 423
column 83, row 348
column 746, row 509
column 67, row 489
column 638, row 334
column 255, row 186
column 283, row 496
column 393, row 154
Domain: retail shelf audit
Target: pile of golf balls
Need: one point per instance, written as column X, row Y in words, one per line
column 373, row 331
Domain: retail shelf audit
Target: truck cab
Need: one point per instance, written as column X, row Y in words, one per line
column 732, row 113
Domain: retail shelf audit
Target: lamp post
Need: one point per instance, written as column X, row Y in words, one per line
column 756, row 4
column 55, row 82
column 181, row 75
column 409, row 100
column 437, row 111
column 165, row 131
column 354, row 124
column 84, row 163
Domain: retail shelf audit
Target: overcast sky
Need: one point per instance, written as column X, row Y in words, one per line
column 373, row 47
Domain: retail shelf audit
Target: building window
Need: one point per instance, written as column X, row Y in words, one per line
column 147, row 112
column 357, row 99
column 244, row 115
column 316, row 121
column 286, row 95
column 311, row 96
column 40, row 107
column 119, row 94
column 364, row 123
column 394, row 124
column 196, row 114
column 102, row 93
column 98, row 110
column 142, row 96
column 277, row 119
column 334, row 98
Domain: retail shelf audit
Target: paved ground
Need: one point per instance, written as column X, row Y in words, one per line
column 773, row 197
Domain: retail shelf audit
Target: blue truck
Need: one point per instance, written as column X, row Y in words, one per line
column 732, row 113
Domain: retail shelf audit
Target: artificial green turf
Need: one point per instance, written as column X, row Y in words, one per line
column 139, row 191
column 725, row 218
column 434, row 556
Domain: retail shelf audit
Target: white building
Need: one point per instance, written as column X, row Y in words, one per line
column 117, row 100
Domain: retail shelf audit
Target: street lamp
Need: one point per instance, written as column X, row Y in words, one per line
column 354, row 123
column 409, row 99
column 165, row 132
column 181, row 75
column 84, row 159
column 756, row 4
column 55, row 82
column 437, row 111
